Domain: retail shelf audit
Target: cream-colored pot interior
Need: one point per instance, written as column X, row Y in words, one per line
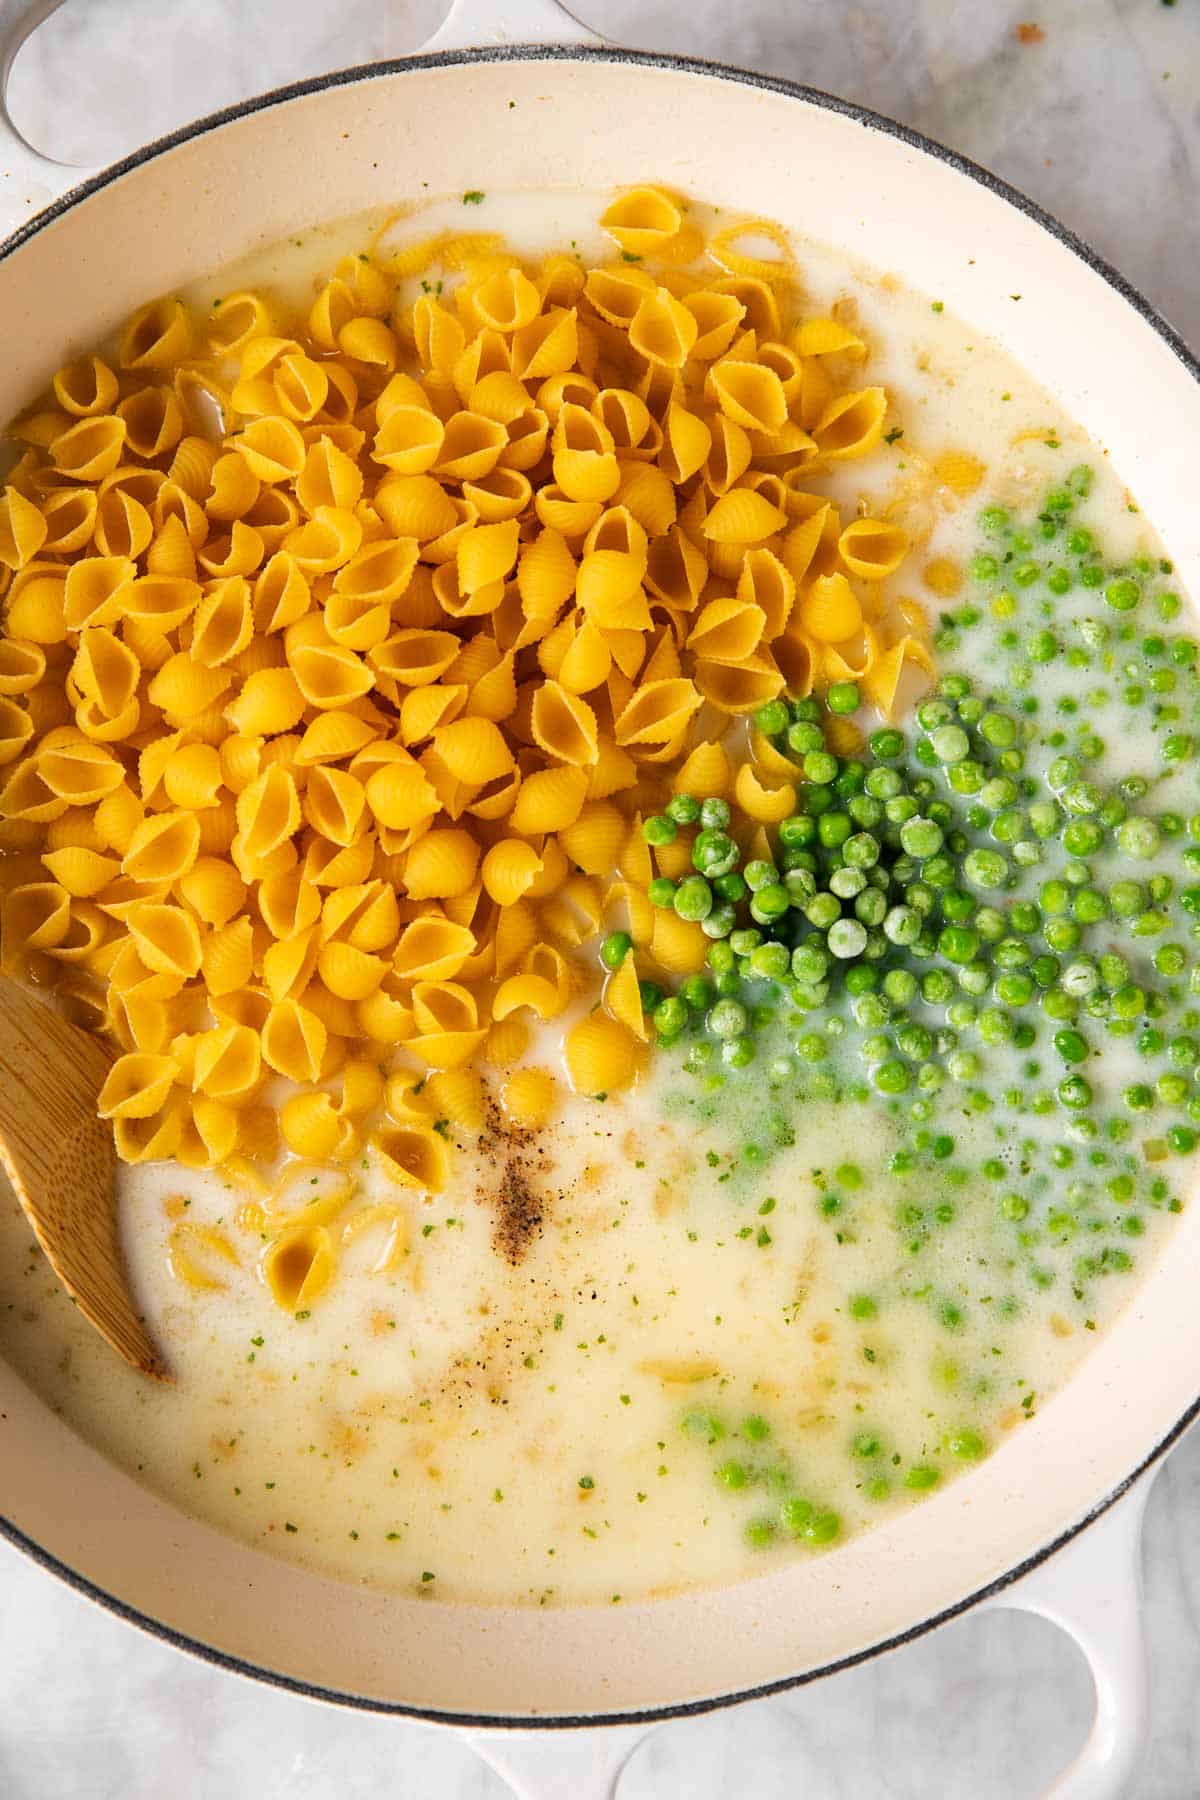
column 595, row 122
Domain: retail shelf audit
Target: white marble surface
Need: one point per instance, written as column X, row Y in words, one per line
column 1100, row 122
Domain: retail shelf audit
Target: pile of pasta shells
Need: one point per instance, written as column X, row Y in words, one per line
column 345, row 654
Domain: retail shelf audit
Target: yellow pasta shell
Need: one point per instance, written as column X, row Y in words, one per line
column 311, row 1126
column 136, row 1086
column 602, row 1055
column 750, row 395
column 529, row 1097
column 298, row 1266
column 509, row 869
column 766, row 805
column 851, row 424
column 293, row 1041
column 593, row 841
column 872, row 548
column 413, row 1156
column 959, row 471
column 81, row 872
column 227, row 957
column 623, row 999
column 474, row 750
column 549, row 800
column 830, row 610
column 642, row 220
column 743, row 517
column 441, row 864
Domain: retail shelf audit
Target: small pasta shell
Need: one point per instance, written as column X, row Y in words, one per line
column 441, row 865
column 549, row 800
column 473, row 750
column 23, row 529
column 158, row 336
column 349, row 973
column 623, row 999
column 751, row 395
column 163, row 847
column 602, row 1055
column 86, row 386
column 743, row 516
column 456, row 1094
column 830, row 611
column 136, row 1086
column 676, row 945
column 872, row 549
column 81, row 872
column 22, row 666
column 643, row 220
column 298, row 1266
column 227, row 956
column 851, row 424
column 196, row 1252
column 593, row 841
column 663, row 330
column 763, row 804
column 227, row 1062
column 739, row 689
column 385, row 1018
column 528, row 990
column 727, row 631
column 767, row 583
column 564, row 725
column 529, row 1097
column 413, row 1156
column 311, row 1126
column 959, row 471
column 433, row 949
column 509, row 870
column 293, row 1041
column 826, row 337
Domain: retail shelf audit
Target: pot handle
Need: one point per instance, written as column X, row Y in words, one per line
column 29, row 181
column 1092, row 1590
column 560, row 1765
column 474, row 24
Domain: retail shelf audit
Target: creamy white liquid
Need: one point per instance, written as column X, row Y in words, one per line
column 502, row 1430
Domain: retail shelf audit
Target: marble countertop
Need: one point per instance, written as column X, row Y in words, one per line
column 1096, row 114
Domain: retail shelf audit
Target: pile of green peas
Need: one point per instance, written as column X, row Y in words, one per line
column 968, row 885
column 880, row 898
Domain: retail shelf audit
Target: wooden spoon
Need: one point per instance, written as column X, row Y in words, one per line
column 60, row 1159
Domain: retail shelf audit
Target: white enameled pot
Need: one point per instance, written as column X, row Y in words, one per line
column 1012, row 1532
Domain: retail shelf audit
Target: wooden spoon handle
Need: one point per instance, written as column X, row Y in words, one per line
column 60, row 1159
